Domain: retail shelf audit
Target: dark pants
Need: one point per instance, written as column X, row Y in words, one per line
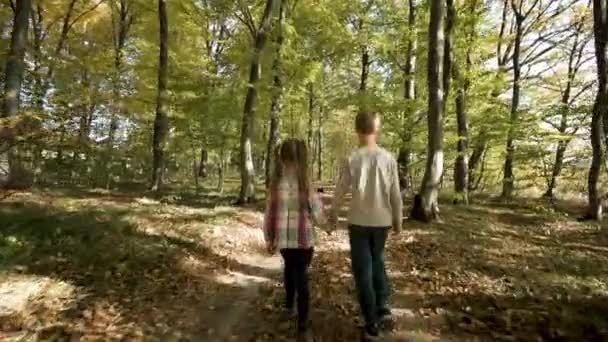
column 297, row 262
column 367, row 258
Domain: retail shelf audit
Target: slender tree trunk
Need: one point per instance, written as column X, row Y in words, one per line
column 405, row 153
column 320, row 145
column 204, row 164
column 196, row 170
column 481, row 143
column 161, row 122
column 37, row 27
column 120, row 38
column 600, row 108
column 365, row 64
column 221, row 171
column 448, row 51
column 428, row 199
column 461, row 174
column 50, row 73
column 18, row 175
column 86, row 108
column 311, row 113
column 557, row 167
column 508, row 176
column 364, row 69
column 276, row 103
column 247, row 192
column 562, row 144
column 461, row 169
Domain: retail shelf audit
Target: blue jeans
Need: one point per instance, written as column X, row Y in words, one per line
column 367, row 258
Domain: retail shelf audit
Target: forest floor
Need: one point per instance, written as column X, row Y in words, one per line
column 93, row 265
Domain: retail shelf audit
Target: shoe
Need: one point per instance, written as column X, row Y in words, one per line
column 290, row 313
column 386, row 322
column 305, row 336
column 372, row 333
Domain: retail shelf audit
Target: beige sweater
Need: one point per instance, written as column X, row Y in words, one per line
column 371, row 175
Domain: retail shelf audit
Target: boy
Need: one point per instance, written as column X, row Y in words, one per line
column 370, row 174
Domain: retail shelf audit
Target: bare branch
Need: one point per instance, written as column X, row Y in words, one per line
column 81, row 15
column 246, row 19
column 543, row 15
column 525, row 15
column 537, row 75
column 531, row 48
column 581, row 91
column 532, row 59
column 579, row 58
column 50, row 26
column 550, row 123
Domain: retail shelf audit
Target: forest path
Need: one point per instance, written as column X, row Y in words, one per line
column 98, row 266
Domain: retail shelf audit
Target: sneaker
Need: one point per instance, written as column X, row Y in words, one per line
column 386, row 321
column 372, row 333
column 305, row 336
column 290, row 313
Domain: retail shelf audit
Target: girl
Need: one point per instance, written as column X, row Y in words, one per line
column 288, row 226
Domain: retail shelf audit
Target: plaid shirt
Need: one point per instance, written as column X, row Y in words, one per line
column 288, row 223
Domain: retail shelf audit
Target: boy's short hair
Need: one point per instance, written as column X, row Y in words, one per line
column 365, row 123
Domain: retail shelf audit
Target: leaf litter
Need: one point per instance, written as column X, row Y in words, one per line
column 140, row 269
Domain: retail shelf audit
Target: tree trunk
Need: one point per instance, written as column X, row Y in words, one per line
column 461, row 169
column 557, row 167
column 18, row 177
column 448, row 51
column 311, row 113
column 320, row 145
column 600, row 108
column 276, row 103
column 15, row 63
column 37, row 27
column 476, row 160
column 405, row 153
column 426, row 206
column 562, row 144
column 508, row 176
column 120, row 38
column 221, row 171
column 195, row 175
column 50, row 73
column 404, row 160
column 161, row 122
column 365, row 64
column 247, row 192
column 203, row 166
column 364, row 69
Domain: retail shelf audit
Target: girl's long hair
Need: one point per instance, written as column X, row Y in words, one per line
column 292, row 152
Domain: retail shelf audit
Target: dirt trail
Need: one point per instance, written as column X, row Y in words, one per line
column 91, row 268
column 232, row 318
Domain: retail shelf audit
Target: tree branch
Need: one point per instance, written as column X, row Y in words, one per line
column 550, row 123
column 581, row 91
column 81, row 15
column 525, row 15
column 12, row 5
column 246, row 19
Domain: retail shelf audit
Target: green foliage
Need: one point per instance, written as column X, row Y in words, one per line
column 209, row 55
